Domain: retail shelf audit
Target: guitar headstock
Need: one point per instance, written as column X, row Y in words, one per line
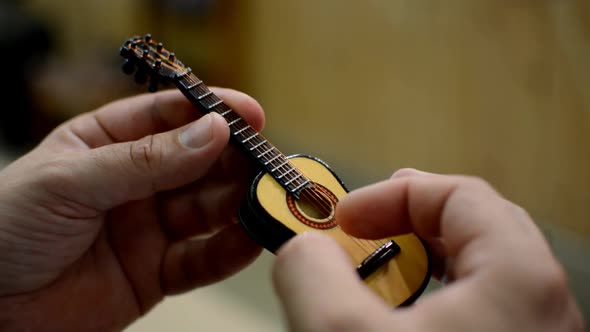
column 149, row 60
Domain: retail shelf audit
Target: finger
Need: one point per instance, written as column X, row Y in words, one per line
column 398, row 212
column 114, row 174
column 489, row 240
column 135, row 117
column 246, row 106
column 200, row 262
column 201, row 208
column 320, row 291
column 404, row 203
column 456, row 209
column 209, row 203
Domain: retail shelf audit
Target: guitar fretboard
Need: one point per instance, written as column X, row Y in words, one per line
column 266, row 155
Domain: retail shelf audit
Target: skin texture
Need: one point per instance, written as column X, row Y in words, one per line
column 503, row 275
column 122, row 206
column 118, row 208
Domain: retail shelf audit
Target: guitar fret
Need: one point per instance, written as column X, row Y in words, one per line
column 300, row 186
column 215, row 104
column 273, row 159
column 241, row 130
column 205, row 95
column 234, row 122
column 287, row 172
column 251, row 137
column 265, row 152
column 279, row 166
column 188, row 70
column 257, row 145
column 293, row 179
column 194, row 85
column 250, row 141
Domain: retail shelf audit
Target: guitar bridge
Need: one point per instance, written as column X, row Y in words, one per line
column 378, row 258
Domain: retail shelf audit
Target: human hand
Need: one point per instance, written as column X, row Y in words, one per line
column 503, row 274
column 119, row 207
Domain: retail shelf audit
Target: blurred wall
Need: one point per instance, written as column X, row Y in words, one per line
column 494, row 88
column 498, row 89
column 83, row 70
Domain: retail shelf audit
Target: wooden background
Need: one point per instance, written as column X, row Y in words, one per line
column 498, row 89
column 494, row 88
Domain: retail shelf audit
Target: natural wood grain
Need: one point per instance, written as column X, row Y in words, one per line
column 498, row 89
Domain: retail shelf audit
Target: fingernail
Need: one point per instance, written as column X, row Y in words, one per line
column 198, row 134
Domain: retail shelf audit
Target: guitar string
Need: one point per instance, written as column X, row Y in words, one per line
column 320, row 202
column 192, row 79
column 280, row 163
column 257, row 139
column 277, row 155
column 327, row 209
column 226, row 105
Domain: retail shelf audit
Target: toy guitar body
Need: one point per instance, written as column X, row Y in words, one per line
column 272, row 216
column 291, row 195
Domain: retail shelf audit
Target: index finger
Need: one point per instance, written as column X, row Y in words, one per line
column 136, row 117
column 459, row 210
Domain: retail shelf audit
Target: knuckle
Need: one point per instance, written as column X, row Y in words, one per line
column 551, row 287
column 555, row 282
column 55, row 172
column 146, row 154
column 477, row 183
column 403, row 172
column 516, row 210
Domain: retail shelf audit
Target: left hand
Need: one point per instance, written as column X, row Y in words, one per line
column 118, row 208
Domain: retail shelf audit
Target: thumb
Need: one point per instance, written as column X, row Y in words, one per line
column 320, row 290
column 114, row 174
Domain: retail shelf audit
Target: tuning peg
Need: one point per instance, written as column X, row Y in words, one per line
column 153, row 85
column 147, row 38
column 172, row 56
column 128, row 67
column 159, row 47
column 140, row 77
column 158, row 64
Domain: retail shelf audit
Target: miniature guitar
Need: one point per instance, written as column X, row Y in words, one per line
column 291, row 195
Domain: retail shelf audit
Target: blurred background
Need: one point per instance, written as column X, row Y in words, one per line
column 494, row 88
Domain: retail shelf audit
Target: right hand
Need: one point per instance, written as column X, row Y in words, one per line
column 504, row 275
column 120, row 207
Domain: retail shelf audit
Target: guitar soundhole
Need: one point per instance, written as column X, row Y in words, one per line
column 315, row 207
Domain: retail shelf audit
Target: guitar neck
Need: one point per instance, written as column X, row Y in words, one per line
column 267, row 157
